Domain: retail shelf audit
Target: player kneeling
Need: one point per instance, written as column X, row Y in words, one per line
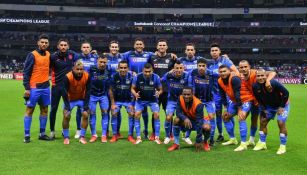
column 76, row 93
column 190, row 114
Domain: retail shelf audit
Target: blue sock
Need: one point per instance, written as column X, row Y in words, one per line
column 119, row 121
column 131, row 125
column 212, row 123
column 176, row 130
column 42, row 124
column 93, row 124
column 83, row 132
column 105, row 123
column 243, row 130
column 157, row 127
column 66, row 133
column 145, row 119
column 114, row 125
column 188, row 133
column 27, row 125
column 262, row 136
column 137, row 126
column 253, row 131
column 78, row 118
column 230, row 129
column 283, row 139
column 167, row 126
column 219, row 123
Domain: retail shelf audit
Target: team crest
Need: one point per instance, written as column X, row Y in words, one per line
column 127, row 81
column 182, row 81
column 92, row 59
column 151, row 83
column 167, row 61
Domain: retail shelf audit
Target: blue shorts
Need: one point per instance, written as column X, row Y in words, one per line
column 140, row 105
column 272, row 112
column 40, row 96
column 232, row 108
column 120, row 104
column 103, row 102
column 217, row 98
column 210, row 107
column 76, row 103
column 171, row 107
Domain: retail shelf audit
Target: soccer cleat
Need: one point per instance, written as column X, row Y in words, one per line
column 242, row 147
column 26, row 139
column 146, row 134
column 157, row 140
column 172, row 137
column 113, row 139
column 82, row 140
column 220, row 138
column 66, row 141
column 119, row 136
column 211, row 143
column 138, row 140
column 104, row 139
column 93, row 138
column 232, row 141
column 188, row 140
column 250, row 143
column 281, row 149
column 206, row 146
column 44, row 137
column 131, row 139
column 260, row 146
column 173, row 147
column 166, row 140
column 152, row 137
column 52, row 135
column 77, row 135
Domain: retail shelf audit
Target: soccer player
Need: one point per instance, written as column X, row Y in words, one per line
column 136, row 60
column 146, row 88
column 190, row 60
column 100, row 76
column 273, row 100
column 218, row 60
column 239, row 103
column 36, row 84
column 190, row 116
column 248, row 78
column 200, row 80
column 76, row 93
column 61, row 63
column 162, row 62
column 175, row 81
column 121, row 96
column 114, row 57
column 88, row 59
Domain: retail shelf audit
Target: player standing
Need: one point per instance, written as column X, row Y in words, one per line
column 36, row 84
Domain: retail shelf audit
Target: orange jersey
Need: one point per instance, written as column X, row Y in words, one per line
column 191, row 112
column 40, row 71
column 77, row 88
column 227, row 88
column 247, row 87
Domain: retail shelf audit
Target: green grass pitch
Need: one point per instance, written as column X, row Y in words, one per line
column 41, row 157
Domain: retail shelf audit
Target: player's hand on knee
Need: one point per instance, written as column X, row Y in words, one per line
column 187, row 123
column 26, row 93
column 280, row 111
column 225, row 116
column 66, row 113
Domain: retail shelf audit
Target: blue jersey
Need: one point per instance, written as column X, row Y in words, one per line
column 214, row 68
column 113, row 60
column 88, row 60
column 147, row 87
column 202, row 85
column 136, row 61
column 175, row 84
column 121, row 87
column 100, row 80
column 189, row 63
